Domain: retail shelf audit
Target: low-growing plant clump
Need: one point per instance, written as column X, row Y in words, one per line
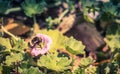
column 47, row 48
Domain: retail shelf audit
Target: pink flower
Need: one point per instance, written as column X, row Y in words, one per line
column 44, row 45
column 93, row 16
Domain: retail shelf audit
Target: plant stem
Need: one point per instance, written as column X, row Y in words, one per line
column 8, row 33
column 35, row 25
column 34, row 19
column 12, row 10
column 34, row 22
column 63, row 14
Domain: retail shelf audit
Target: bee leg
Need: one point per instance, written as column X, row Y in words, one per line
column 40, row 46
column 29, row 45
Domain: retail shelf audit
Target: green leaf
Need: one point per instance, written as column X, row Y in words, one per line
column 4, row 6
column 89, row 6
column 112, row 68
column 113, row 36
column 32, row 7
column 74, row 46
column 52, row 22
column 87, row 3
column 71, row 4
column 86, row 61
column 25, row 65
column 6, row 69
column 91, row 70
column 16, row 57
column 32, row 70
column 2, row 47
column 109, row 8
column 58, row 39
column 79, row 71
column 18, row 45
column 117, row 58
column 5, row 42
column 53, row 62
column 113, row 29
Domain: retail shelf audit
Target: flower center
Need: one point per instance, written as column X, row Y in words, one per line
column 41, row 45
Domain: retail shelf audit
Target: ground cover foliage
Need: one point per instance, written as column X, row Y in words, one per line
column 40, row 44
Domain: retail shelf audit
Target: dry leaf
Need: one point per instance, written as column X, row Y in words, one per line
column 66, row 23
column 17, row 28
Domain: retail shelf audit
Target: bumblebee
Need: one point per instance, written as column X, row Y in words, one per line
column 36, row 41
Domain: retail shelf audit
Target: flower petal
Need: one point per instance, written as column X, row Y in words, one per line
column 36, row 51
